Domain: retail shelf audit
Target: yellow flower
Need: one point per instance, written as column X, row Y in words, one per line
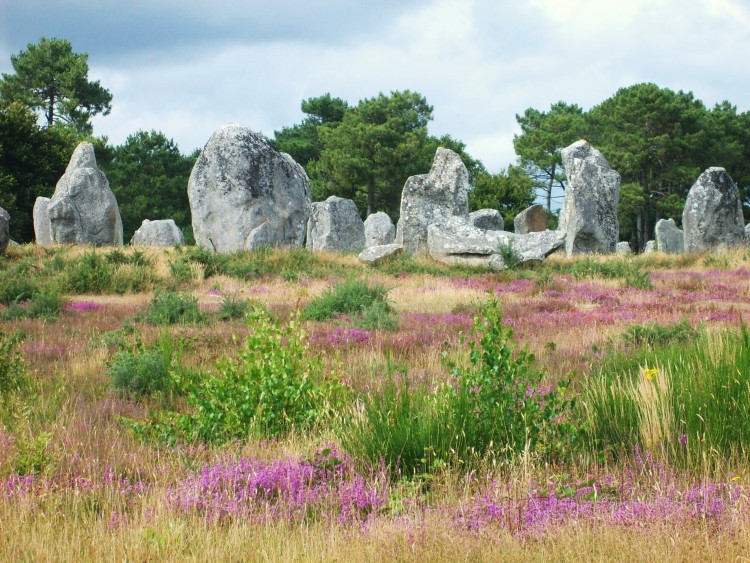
column 649, row 374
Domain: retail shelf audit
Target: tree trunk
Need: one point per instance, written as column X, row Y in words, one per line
column 370, row 198
column 51, row 111
column 549, row 188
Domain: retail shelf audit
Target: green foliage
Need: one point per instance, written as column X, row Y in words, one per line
column 511, row 257
column 377, row 316
column 369, row 155
column 89, row 273
column 689, row 400
column 351, row 296
column 16, row 284
column 274, row 385
column 13, row 375
column 510, row 192
column 139, row 370
column 543, row 135
column 171, row 307
column 50, row 77
column 498, row 403
column 653, row 334
column 150, row 174
column 45, row 304
column 233, row 307
column 495, row 409
column 34, row 454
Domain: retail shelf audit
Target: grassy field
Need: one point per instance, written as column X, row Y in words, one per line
column 277, row 405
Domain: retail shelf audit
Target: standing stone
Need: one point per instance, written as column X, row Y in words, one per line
column 713, row 213
column 487, row 219
column 531, row 220
column 623, row 248
column 4, row 230
column 589, row 214
column 244, row 194
column 379, row 230
column 669, row 238
column 163, row 232
column 432, row 198
column 335, row 225
column 376, row 253
column 42, row 228
column 747, row 231
column 650, row 247
column 83, row 209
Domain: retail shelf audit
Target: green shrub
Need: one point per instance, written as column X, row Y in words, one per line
column 89, row 273
column 34, row 455
column 274, row 385
column 233, row 307
column 378, row 316
column 496, row 408
column 140, row 371
column 15, row 288
column 348, row 297
column 511, row 257
column 170, row 307
column 43, row 305
column 13, row 376
column 654, row 334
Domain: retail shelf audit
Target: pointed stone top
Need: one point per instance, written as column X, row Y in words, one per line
column 83, row 157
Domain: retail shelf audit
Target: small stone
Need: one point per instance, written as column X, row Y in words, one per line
column 487, row 219
column 379, row 230
column 163, row 232
column 650, row 247
column 376, row 253
column 623, row 248
column 531, row 220
column 669, row 238
column 42, row 232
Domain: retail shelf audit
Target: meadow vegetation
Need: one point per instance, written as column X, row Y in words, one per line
column 278, row 404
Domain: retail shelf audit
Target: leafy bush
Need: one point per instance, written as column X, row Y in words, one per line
column 496, row 408
column 43, row 305
column 654, row 334
column 348, row 297
column 233, row 307
column 34, row 454
column 89, row 273
column 275, row 384
column 378, row 316
column 170, row 307
column 140, row 371
column 15, row 288
column 13, row 375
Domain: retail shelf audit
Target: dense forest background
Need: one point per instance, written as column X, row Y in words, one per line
column 657, row 139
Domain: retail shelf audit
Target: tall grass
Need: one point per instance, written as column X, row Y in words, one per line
column 689, row 402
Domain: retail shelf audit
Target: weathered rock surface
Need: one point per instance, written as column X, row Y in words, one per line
column 669, row 238
column 457, row 241
column 335, row 225
column 244, row 194
column 83, row 209
column 487, row 219
column 379, row 230
column 531, row 220
column 376, row 253
column 650, row 247
column 623, row 248
column 747, row 231
column 589, row 214
column 162, row 232
column 42, row 229
column 713, row 213
column 4, row 230
column 432, row 198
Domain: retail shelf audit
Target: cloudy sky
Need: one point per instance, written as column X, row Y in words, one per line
column 183, row 67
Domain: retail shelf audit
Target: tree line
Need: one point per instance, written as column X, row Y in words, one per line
column 659, row 141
